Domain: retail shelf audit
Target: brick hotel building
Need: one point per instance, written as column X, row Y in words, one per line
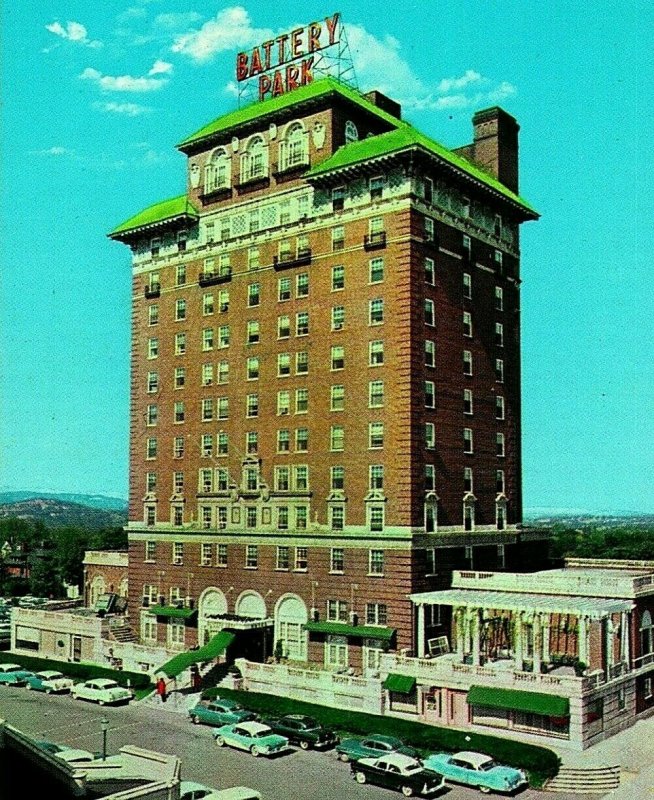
column 325, row 385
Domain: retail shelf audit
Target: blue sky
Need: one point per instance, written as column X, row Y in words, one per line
column 95, row 96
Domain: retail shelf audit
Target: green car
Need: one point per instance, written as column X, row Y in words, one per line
column 254, row 737
column 373, row 746
column 14, row 675
column 219, row 712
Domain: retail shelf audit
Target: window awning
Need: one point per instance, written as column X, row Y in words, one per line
column 516, row 700
column 214, row 647
column 172, row 611
column 404, row 684
column 358, row 631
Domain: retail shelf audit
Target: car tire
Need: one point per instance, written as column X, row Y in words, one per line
column 485, row 789
column 47, row 691
column 407, row 791
column 255, row 751
column 194, row 719
column 343, row 757
column 360, row 777
column 304, row 745
column 28, row 686
column 101, row 702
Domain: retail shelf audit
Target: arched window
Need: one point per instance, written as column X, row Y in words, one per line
column 254, row 161
column 646, row 634
column 98, row 587
column 290, row 618
column 218, row 172
column 351, row 132
column 500, row 511
column 294, row 148
column 469, row 511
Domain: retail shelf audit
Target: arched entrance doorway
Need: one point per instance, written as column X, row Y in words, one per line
column 290, row 618
column 212, row 604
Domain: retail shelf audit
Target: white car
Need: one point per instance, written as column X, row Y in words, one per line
column 70, row 755
column 196, row 791
column 49, row 680
column 101, row 691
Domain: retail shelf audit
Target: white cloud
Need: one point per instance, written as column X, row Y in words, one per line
column 161, row 68
column 231, row 29
column 56, row 150
column 122, row 83
column 73, row 32
column 469, row 76
column 128, row 109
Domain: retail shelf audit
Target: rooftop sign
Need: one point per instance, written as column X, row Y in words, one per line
column 287, row 62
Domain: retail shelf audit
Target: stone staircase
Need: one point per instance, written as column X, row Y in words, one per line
column 123, row 633
column 589, row 780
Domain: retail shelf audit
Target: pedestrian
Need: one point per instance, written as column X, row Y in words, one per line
column 161, row 689
column 196, row 678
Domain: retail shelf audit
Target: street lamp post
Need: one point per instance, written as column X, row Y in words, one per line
column 104, row 726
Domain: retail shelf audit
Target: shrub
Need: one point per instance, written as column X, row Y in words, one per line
column 539, row 762
column 74, row 669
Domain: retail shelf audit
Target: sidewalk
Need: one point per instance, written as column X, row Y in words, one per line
column 177, row 702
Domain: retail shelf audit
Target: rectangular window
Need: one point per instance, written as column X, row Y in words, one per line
column 284, row 251
column 376, row 476
column 337, row 438
column 283, row 289
column 301, row 440
column 254, row 295
column 252, row 405
column 221, row 549
column 376, row 312
column 251, row 442
column 283, row 327
column 337, row 517
column 499, row 258
column 302, row 250
column 499, row 298
column 499, row 370
column 301, row 478
column 467, row 286
column 250, row 517
column 253, row 258
column 467, row 323
column 376, row 614
column 283, row 441
column 150, row 551
column 467, row 246
column 430, row 394
column 283, row 364
column 499, row 334
column 283, row 403
column 500, row 445
column 337, row 560
column 251, row 556
column 375, row 435
column 337, row 398
column 301, row 401
column 375, row 394
column 178, row 553
column 338, row 278
column 180, row 309
column 223, row 408
column 180, row 275
column 207, row 409
column 207, row 305
column 155, row 245
column 252, row 368
column 499, row 407
column 429, row 232
column 467, row 440
column 430, row 435
column 430, row 314
column 283, row 561
column 180, row 344
column 207, row 339
column 151, row 416
column 301, row 555
column 222, row 479
column 376, row 353
column 205, row 481
column 223, row 336
column 253, row 335
column 302, row 284
column 467, row 479
column 223, row 301
column 338, row 238
column 337, row 357
column 223, row 372
column 337, row 476
column 338, row 318
column 178, row 447
column 282, row 520
column 206, row 445
column 282, row 479
column 376, row 270
column 302, row 323
column 207, row 375
column 153, row 348
column 376, row 187
column 338, row 198
column 337, row 611
column 467, row 362
column 150, row 481
column 206, row 549
column 153, row 315
column 301, row 362
column 430, row 271
column 500, row 486
column 178, row 482
column 376, row 559
column 180, row 377
column 179, row 414
column 430, row 478
column 465, row 207
column 467, row 401
column 430, row 353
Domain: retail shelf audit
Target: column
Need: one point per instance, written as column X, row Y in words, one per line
column 518, row 636
column 582, row 646
column 476, row 636
column 466, row 631
column 459, row 633
column 546, row 639
column 625, row 638
column 421, row 631
column 538, row 643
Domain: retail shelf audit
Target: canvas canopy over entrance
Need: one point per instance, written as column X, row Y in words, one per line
column 403, row 684
column 212, row 649
column 516, row 700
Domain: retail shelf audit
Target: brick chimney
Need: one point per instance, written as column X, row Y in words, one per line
column 495, row 146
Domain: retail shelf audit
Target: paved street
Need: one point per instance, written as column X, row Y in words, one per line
column 295, row 776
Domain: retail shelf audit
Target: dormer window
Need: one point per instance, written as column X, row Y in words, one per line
column 217, row 173
column 351, row 132
column 294, row 148
column 254, row 161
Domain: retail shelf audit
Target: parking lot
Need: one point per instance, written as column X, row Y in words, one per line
column 297, row 775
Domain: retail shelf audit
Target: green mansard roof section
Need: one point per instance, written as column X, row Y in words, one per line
column 178, row 208
column 265, row 108
column 404, row 138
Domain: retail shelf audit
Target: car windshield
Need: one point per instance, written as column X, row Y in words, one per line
column 309, row 723
column 107, row 685
column 50, row 676
column 487, row 765
column 412, row 768
column 262, row 734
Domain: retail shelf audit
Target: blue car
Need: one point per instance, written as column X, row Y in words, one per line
column 48, row 681
column 13, row 675
column 373, row 746
column 254, row 737
column 220, row 712
column 476, row 769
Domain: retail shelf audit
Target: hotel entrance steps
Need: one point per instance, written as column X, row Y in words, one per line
column 590, row 780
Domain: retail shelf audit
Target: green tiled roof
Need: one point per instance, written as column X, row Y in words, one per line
column 515, row 700
column 404, row 684
column 214, row 647
column 406, row 137
column 360, row 631
column 156, row 214
column 257, row 110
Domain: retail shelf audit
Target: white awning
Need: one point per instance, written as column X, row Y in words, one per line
column 594, row 607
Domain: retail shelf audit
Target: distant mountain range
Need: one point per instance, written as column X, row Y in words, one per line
column 61, row 513
column 91, row 500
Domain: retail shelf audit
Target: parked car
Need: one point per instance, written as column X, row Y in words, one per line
column 48, row 681
column 372, row 747
column 476, row 769
column 189, row 790
column 13, row 674
column 69, row 754
column 220, row 712
column 303, row 730
column 400, row 772
column 255, row 737
column 101, row 691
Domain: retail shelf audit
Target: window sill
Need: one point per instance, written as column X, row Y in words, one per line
column 300, row 569
column 281, row 569
column 375, row 574
column 246, row 567
column 336, row 572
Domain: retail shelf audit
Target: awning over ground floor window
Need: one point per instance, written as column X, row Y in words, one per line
column 172, row 612
column 360, row 631
column 515, row 700
column 212, row 649
column 404, row 684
